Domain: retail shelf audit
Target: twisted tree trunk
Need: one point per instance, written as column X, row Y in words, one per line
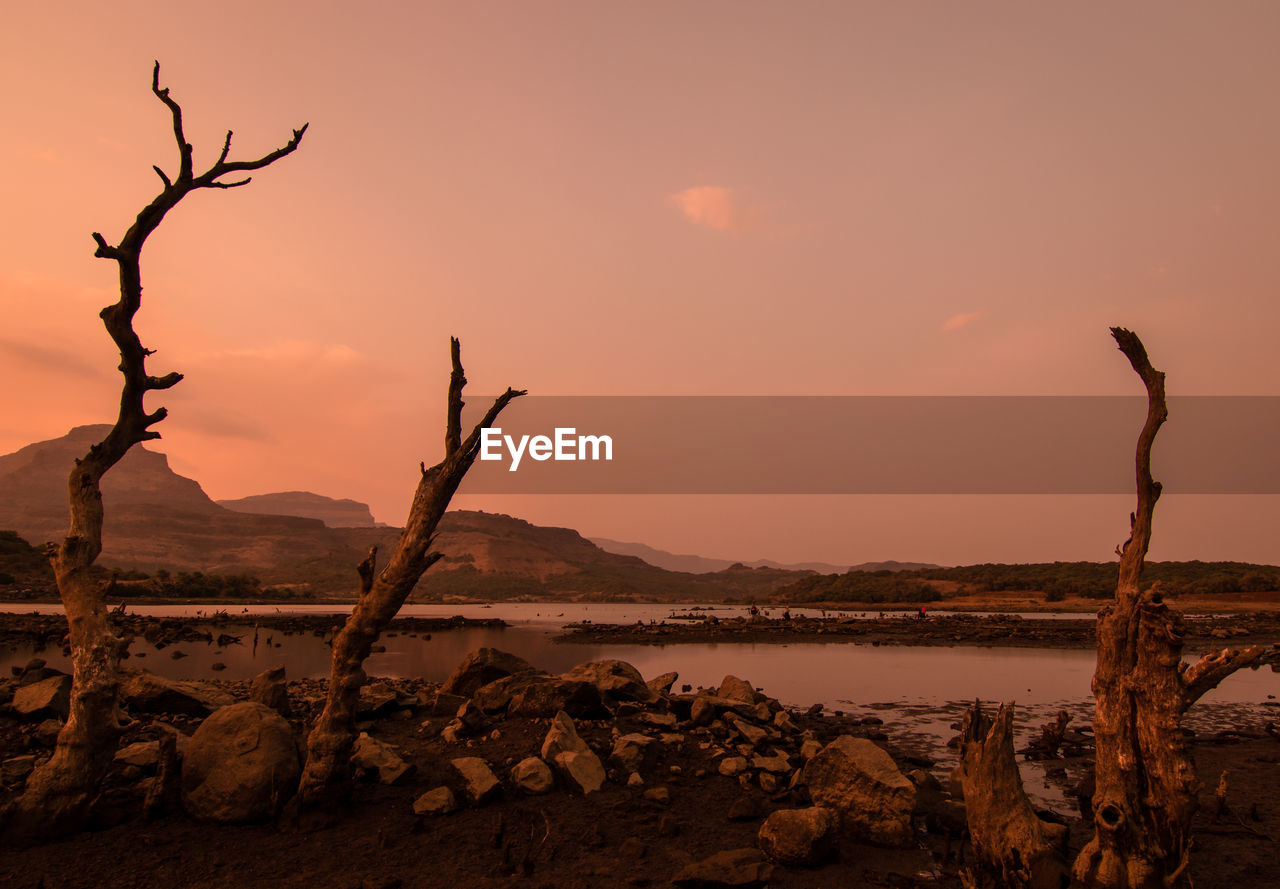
column 59, row 792
column 1146, row 781
column 1014, row 847
column 326, row 778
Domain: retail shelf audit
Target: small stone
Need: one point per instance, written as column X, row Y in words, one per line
column 533, row 776
column 481, row 784
column 768, row 782
column 634, row 780
column 379, row 759
column 736, row 869
column 48, row 697
column 659, row 795
column 17, row 768
column 732, row 765
column 440, row 801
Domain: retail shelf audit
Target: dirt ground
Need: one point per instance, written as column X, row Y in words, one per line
column 613, row 838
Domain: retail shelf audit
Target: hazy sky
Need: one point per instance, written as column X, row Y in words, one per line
column 692, row 198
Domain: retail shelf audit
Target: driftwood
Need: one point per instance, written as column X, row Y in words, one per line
column 59, row 793
column 326, row 777
column 1146, row 781
column 1013, row 846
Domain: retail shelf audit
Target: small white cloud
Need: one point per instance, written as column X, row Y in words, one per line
column 711, row 206
column 955, row 322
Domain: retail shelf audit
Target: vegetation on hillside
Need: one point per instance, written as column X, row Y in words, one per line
column 1055, row 580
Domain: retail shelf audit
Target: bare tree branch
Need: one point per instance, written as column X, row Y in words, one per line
column 1205, row 674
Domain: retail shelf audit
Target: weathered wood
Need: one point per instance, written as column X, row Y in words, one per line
column 326, row 777
column 1014, row 848
column 1146, row 781
column 58, row 793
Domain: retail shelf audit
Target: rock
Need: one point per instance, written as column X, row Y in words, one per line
column 270, row 690
column 532, row 776
column 17, row 768
column 481, row 667
column 923, row 780
column 146, row 692
column 747, row 807
column 660, row 795
column 582, row 770
column 444, row 704
column 634, row 780
column 800, row 836
column 778, row 763
column 143, row 755
column 632, row 752
column 632, row 848
column 752, row 734
column 533, row 694
column 47, row 732
column 376, row 699
column 480, row 783
column 736, row 869
column 376, row 758
column 736, row 689
column 783, row 722
column 861, row 783
column 768, row 782
column 733, row 765
column 809, row 749
column 241, row 765
column 658, row 720
column 562, row 737
column 661, row 685
column 616, row 680
column 46, row 697
column 702, row 711
column 440, row 801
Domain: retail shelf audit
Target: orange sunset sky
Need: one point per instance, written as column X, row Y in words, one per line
column 650, row 198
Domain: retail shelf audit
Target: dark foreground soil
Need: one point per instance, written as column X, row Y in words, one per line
column 613, row 838
column 1203, row 633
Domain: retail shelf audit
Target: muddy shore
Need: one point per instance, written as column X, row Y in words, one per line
column 1202, row 633
column 684, row 809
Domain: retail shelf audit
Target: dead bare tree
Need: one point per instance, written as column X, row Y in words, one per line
column 327, row 775
column 1146, row 780
column 1014, row 847
column 59, row 793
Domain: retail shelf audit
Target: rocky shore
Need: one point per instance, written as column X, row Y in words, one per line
column 507, row 776
column 1204, row 633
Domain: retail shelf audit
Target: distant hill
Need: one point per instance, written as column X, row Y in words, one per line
column 157, row 520
column 703, row 565
column 334, row 513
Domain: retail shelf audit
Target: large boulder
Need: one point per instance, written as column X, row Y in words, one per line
column 481, row 667
column 860, row 782
column 241, row 765
column 800, row 836
column 49, row 697
column 735, row 869
column 145, row 692
column 535, row 694
column 616, row 680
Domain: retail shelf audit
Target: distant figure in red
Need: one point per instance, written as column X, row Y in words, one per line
column 753, row 611
column 923, row 614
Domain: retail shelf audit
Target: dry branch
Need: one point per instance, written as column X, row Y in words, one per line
column 327, row 774
column 59, row 793
column 1146, row 782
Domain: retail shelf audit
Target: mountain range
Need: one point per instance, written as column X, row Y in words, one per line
column 308, row 544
